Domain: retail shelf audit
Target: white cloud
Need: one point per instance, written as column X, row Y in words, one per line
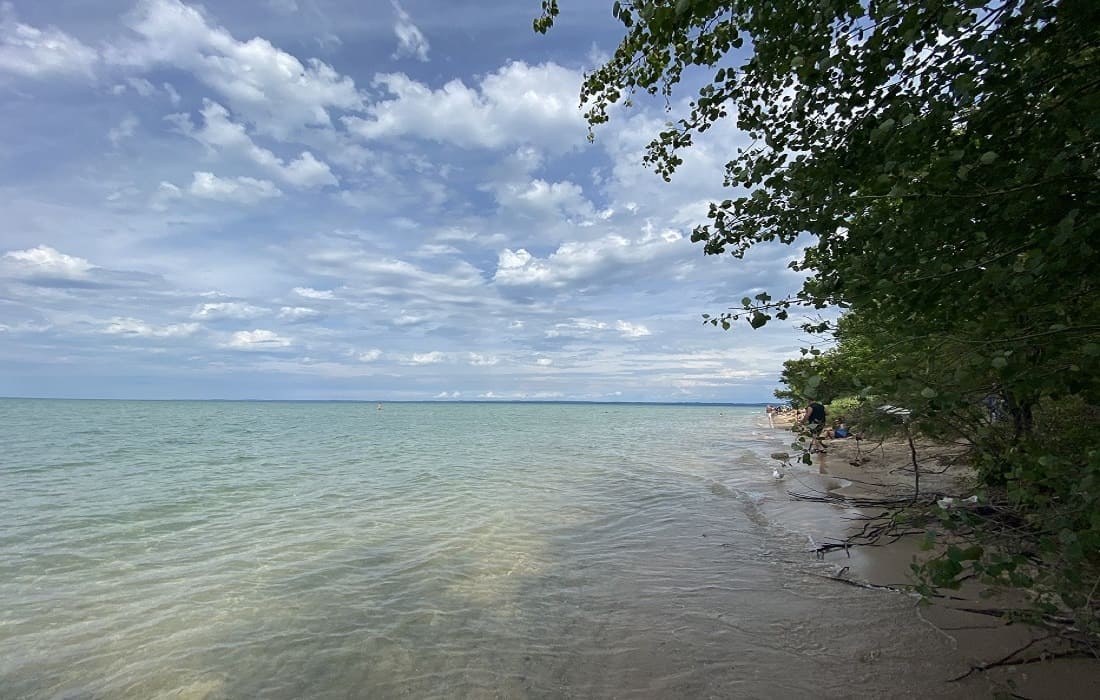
column 544, row 362
column 307, row 171
column 298, row 313
column 136, row 327
column 243, row 190
column 478, row 360
column 173, row 96
column 585, row 261
column 35, row 53
column 426, row 358
column 518, row 104
column 310, row 293
column 576, row 327
column 124, row 130
column 410, row 40
column 258, row 339
column 44, row 261
column 227, row 309
column 220, row 132
column 631, row 330
column 370, row 355
column 142, row 86
column 273, row 89
column 545, row 198
column 393, row 277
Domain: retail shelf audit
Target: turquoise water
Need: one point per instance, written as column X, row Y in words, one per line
column 334, row 550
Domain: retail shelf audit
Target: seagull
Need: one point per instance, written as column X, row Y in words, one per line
column 776, row 474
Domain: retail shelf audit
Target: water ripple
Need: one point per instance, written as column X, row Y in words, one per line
column 281, row 550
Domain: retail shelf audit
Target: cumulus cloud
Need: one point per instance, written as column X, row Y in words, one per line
column 220, row 133
column 46, row 267
column 410, row 40
column 138, row 328
column 478, row 360
column 298, row 313
column 426, row 358
column 518, row 104
column 585, row 261
column 631, row 330
column 369, row 355
column 43, row 261
column 273, row 89
column 37, row 53
column 227, row 309
column 258, row 339
column 242, row 190
column 542, row 198
column 310, row 293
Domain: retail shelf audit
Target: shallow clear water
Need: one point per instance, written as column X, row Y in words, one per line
column 333, row 550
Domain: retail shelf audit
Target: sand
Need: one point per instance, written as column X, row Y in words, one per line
column 883, row 469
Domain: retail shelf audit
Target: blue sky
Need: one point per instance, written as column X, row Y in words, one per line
column 349, row 199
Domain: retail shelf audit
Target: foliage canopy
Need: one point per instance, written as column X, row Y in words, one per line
column 943, row 159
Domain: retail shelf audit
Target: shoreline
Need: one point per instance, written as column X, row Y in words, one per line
column 873, row 469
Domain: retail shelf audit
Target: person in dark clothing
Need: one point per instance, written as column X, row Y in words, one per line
column 814, row 418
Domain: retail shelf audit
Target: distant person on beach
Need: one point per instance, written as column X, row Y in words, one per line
column 814, row 418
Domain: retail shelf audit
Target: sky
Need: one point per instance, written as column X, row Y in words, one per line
column 353, row 200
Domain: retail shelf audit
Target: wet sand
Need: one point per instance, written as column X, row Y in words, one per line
column 876, row 469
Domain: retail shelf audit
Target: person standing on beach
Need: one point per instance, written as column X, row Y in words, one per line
column 814, row 417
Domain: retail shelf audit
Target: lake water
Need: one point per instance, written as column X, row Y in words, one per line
column 426, row 550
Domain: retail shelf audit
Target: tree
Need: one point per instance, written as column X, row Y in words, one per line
column 943, row 156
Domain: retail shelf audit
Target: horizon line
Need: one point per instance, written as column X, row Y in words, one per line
column 397, row 401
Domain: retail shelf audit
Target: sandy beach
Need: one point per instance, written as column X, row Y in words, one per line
column 876, row 469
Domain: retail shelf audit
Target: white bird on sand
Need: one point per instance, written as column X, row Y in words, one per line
column 776, row 474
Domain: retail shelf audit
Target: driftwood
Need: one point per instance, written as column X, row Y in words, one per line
column 854, row 501
column 864, row 584
column 1073, row 652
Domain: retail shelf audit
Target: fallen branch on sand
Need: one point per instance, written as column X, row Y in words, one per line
column 864, row 584
column 852, row 501
column 1043, row 656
